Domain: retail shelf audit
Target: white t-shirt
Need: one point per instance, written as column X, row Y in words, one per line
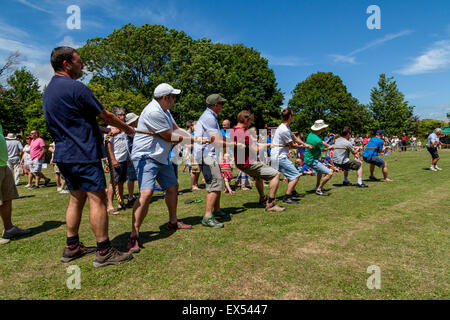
column 283, row 135
column 119, row 145
column 154, row 119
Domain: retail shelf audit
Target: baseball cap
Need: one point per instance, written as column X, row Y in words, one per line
column 380, row 132
column 164, row 89
column 215, row 98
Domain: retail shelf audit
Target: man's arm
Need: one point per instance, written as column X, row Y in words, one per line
column 112, row 120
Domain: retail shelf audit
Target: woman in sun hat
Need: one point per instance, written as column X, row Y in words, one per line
column 312, row 156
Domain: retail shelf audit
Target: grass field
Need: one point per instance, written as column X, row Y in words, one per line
column 319, row 249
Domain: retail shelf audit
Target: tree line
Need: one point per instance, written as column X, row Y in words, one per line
column 125, row 67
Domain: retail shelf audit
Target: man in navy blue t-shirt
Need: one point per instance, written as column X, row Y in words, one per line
column 71, row 111
column 370, row 155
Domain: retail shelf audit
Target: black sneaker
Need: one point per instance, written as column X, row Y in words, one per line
column 294, row 194
column 289, row 200
column 374, row 179
column 362, row 185
column 78, row 252
column 47, row 181
column 113, row 256
column 347, row 184
column 321, row 193
column 130, row 202
column 34, row 187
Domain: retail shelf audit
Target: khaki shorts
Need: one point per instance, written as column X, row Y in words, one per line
column 351, row 164
column 8, row 190
column 213, row 176
column 195, row 168
column 259, row 170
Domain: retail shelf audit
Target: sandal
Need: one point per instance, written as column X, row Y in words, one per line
column 113, row 212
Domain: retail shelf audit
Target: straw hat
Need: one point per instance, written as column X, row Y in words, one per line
column 11, row 136
column 319, row 125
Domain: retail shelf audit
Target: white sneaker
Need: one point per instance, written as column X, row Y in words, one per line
column 28, row 186
column 15, row 232
column 437, row 168
column 433, row 169
column 4, row 241
column 63, row 191
column 59, row 189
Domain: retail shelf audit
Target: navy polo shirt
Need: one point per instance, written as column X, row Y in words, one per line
column 70, row 110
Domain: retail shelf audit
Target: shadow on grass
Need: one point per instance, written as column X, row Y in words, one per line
column 23, row 197
column 120, row 242
column 46, row 226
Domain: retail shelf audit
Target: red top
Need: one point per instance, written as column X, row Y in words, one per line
column 242, row 157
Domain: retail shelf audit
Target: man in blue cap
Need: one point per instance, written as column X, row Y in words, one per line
column 370, row 155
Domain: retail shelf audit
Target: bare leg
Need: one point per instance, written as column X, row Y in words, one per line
column 325, row 180
column 77, row 199
column 140, row 210
column 260, row 187
column 130, row 185
column 6, row 213
column 212, row 203
column 291, row 186
column 273, row 185
column 227, row 185
column 97, row 214
column 171, row 202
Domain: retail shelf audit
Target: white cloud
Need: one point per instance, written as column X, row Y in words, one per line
column 287, row 61
column 437, row 58
column 438, row 112
column 69, row 42
column 350, row 58
column 13, row 32
column 31, row 5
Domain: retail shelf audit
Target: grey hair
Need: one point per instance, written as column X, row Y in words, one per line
column 437, row 130
column 117, row 110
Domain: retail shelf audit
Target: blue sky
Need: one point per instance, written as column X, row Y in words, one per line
column 298, row 37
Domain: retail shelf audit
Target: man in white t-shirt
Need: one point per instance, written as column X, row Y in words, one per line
column 150, row 157
column 432, row 146
column 118, row 149
column 282, row 141
column 15, row 150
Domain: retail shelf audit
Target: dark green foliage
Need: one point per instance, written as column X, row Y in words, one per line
column 389, row 109
column 137, row 59
column 323, row 96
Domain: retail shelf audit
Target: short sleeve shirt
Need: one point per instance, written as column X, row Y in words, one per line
column 283, row 136
column 341, row 156
column 119, row 145
column 432, row 138
column 375, row 144
column 243, row 158
column 313, row 154
column 3, row 149
column 36, row 146
column 14, row 149
column 153, row 119
column 70, row 110
column 206, row 127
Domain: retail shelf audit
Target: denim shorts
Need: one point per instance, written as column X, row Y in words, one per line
column 287, row 168
column 86, row 177
column 319, row 167
column 120, row 174
column 149, row 171
column 131, row 173
column 375, row 161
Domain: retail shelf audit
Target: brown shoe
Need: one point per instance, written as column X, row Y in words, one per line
column 273, row 207
column 114, row 256
column 80, row 251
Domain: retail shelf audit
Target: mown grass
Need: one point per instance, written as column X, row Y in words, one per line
column 319, row 249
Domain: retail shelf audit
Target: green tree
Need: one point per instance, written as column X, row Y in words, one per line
column 137, row 59
column 21, row 92
column 389, row 109
column 324, row 96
